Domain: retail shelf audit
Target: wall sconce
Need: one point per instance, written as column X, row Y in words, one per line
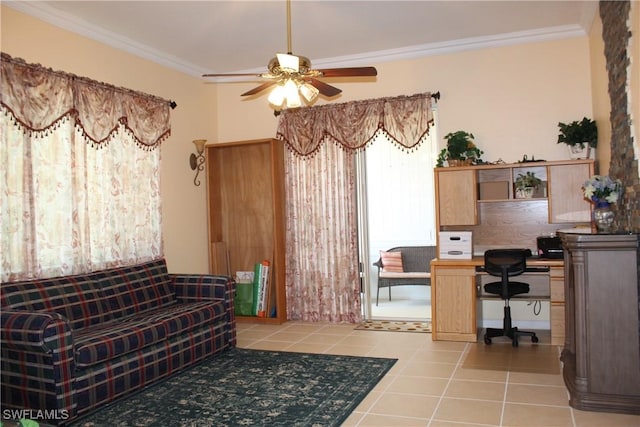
column 197, row 160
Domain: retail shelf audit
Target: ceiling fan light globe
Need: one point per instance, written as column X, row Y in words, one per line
column 290, row 63
column 276, row 97
column 292, row 96
column 309, row 92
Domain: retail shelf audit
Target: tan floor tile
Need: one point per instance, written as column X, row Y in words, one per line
column 368, row 401
column 471, row 374
column 540, row 379
column 287, row 336
column 467, row 410
column 320, row 338
column 428, row 369
column 516, row 415
column 537, row 394
column 439, row 423
column 476, row 390
column 303, row 347
column 437, row 356
column 480, row 375
column 268, row 345
column 608, row 419
column 405, row 405
column 353, row 420
column 375, row 420
column 418, row 385
column 348, row 350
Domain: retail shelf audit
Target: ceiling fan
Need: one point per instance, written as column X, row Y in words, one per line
column 293, row 76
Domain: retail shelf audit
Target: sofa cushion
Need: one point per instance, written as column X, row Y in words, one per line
column 109, row 340
column 78, row 298
column 135, row 289
column 184, row 317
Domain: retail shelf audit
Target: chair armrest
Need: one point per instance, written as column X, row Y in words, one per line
column 42, row 343
column 378, row 264
column 203, row 287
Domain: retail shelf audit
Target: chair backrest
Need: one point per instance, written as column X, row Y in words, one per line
column 510, row 261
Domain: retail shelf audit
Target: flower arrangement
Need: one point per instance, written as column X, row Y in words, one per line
column 602, row 189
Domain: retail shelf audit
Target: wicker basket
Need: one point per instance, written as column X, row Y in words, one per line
column 458, row 162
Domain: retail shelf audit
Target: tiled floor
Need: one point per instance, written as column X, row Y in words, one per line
column 438, row 384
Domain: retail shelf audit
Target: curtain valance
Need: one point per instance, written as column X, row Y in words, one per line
column 404, row 119
column 38, row 98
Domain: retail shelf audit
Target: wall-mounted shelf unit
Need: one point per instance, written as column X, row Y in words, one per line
column 482, row 198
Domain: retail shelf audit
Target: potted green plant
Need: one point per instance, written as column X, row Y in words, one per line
column 580, row 137
column 460, row 150
column 526, row 184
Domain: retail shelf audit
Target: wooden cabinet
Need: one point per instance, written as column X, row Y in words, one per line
column 482, row 199
column 456, row 195
column 566, row 205
column 453, row 297
column 557, row 305
column 246, row 211
column 602, row 346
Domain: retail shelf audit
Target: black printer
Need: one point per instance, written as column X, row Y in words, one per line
column 550, row 247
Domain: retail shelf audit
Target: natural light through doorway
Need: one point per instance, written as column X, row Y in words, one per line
column 400, row 212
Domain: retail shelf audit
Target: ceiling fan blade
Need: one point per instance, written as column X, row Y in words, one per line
column 349, row 72
column 325, row 89
column 257, row 89
column 232, row 75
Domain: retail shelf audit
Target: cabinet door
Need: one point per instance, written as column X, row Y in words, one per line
column 456, row 197
column 454, row 304
column 566, row 201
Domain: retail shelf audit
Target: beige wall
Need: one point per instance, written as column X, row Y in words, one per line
column 183, row 204
column 510, row 97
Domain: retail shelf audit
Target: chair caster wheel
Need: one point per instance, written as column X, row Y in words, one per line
column 487, row 340
column 534, row 339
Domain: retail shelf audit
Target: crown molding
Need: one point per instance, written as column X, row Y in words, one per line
column 68, row 22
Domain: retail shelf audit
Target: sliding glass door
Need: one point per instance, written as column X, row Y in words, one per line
column 396, row 205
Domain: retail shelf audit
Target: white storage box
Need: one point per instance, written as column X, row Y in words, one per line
column 455, row 245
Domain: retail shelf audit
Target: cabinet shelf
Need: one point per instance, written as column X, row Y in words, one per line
column 532, row 199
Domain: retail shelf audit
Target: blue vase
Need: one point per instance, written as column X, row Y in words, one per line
column 603, row 217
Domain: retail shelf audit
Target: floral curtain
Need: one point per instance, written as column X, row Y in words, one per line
column 68, row 207
column 404, row 119
column 323, row 275
column 322, row 278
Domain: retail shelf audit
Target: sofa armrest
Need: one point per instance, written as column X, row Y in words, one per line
column 201, row 287
column 37, row 362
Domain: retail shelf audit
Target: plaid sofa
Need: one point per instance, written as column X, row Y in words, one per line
column 70, row 344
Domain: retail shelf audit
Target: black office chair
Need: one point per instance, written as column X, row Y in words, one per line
column 506, row 263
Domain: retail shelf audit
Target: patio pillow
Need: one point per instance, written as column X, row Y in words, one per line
column 391, row 262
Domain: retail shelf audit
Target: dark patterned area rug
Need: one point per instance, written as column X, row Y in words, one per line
column 251, row 388
column 395, row 326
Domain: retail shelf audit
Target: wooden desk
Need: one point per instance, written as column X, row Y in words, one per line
column 454, row 293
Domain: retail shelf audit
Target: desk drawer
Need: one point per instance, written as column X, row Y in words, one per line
column 538, row 285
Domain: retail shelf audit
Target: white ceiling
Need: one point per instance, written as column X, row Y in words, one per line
column 198, row 37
